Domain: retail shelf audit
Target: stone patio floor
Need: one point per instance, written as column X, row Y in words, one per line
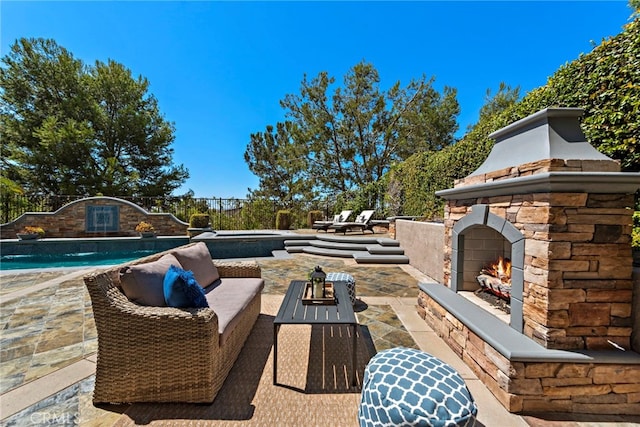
column 48, row 341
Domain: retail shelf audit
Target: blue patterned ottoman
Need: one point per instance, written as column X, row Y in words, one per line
column 407, row 387
column 344, row 277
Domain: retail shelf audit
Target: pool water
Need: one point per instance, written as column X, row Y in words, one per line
column 51, row 253
column 18, row 262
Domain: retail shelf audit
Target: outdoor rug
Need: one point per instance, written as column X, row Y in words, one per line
column 314, row 387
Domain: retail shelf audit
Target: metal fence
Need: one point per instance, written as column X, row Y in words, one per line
column 224, row 214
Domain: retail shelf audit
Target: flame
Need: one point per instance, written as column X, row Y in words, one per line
column 501, row 268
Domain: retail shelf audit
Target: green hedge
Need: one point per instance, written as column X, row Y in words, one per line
column 604, row 82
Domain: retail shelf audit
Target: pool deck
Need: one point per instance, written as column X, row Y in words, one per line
column 48, row 342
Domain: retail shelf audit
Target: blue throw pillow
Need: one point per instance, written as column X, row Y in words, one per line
column 181, row 289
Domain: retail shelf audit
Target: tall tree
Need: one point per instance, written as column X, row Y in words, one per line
column 494, row 104
column 42, row 111
column 68, row 128
column 280, row 165
column 353, row 136
column 134, row 150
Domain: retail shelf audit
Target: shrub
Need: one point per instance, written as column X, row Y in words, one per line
column 144, row 226
column 258, row 213
column 199, row 220
column 33, row 230
column 283, row 220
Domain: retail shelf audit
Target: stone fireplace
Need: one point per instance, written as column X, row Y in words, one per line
column 562, row 213
column 565, row 211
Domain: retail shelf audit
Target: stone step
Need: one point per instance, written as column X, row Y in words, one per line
column 385, row 250
column 347, row 239
column 280, row 254
column 296, row 242
column 331, row 252
column 363, row 249
column 385, row 241
column 346, row 246
column 367, row 258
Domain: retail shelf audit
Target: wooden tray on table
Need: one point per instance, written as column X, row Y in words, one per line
column 329, row 298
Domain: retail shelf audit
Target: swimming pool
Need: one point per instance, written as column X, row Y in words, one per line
column 20, row 262
column 51, row 253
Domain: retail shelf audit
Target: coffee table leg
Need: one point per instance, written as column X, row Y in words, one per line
column 354, row 356
column 276, row 329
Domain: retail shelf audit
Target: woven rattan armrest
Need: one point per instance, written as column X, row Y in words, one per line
column 183, row 317
column 118, row 309
column 238, row 268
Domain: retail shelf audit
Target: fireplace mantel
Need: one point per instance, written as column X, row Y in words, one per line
column 559, row 182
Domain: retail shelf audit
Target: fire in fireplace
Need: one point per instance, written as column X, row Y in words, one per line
column 495, row 278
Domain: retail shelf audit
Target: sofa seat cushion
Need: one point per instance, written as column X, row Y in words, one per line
column 143, row 283
column 197, row 258
column 228, row 297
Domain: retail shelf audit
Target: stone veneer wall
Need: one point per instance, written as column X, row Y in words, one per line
column 578, row 260
column 69, row 221
column 586, row 388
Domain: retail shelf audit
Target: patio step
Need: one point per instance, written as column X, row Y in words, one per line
column 328, row 252
column 367, row 258
column 347, row 246
column 362, row 249
column 296, row 242
column 347, row 239
column 385, row 250
column 385, row 241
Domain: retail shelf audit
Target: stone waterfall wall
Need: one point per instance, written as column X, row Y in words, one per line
column 70, row 220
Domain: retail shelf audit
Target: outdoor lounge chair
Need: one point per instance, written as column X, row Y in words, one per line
column 362, row 223
column 324, row 225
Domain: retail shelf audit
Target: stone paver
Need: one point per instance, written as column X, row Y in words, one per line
column 48, row 340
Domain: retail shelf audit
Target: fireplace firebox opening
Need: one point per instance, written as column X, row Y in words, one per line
column 479, row 239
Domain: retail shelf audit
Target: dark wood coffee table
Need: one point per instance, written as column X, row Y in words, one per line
column 294, row 312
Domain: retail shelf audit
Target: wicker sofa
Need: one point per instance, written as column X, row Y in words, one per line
column 167, row 354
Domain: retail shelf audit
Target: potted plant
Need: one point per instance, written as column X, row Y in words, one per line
column 145, row 229
column 31, row 233
column 198, row 224
column 199, row 220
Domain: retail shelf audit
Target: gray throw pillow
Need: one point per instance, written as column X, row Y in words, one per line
column 197, row 258
column 143, row 283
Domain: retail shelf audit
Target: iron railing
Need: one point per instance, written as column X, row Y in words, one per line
column 224, row 214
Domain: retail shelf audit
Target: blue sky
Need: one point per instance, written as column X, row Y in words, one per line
column 219, row 69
